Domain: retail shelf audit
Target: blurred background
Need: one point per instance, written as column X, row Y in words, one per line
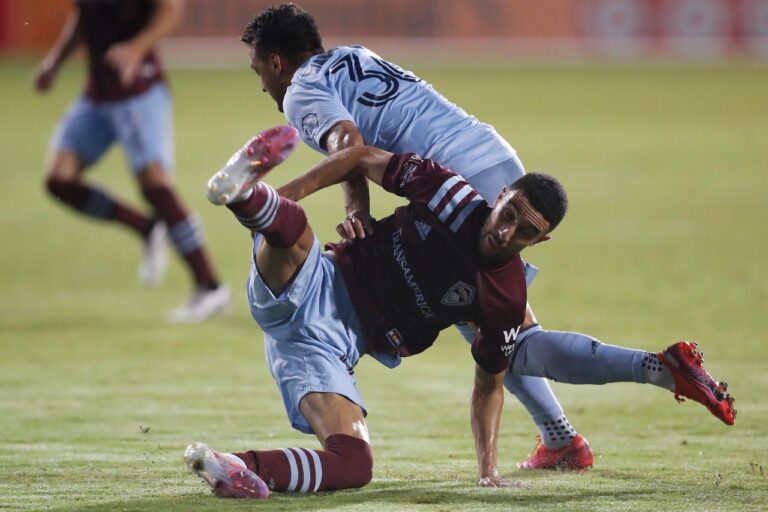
column 687, row 29
column 653, row 113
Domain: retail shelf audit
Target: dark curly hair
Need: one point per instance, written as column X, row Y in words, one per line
column 546, row 194
column 286, row 29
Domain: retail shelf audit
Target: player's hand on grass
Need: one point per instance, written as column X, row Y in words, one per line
column 496, row 480
column 125, row 58
column 358, row 224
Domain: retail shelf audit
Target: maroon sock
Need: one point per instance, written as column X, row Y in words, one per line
column 346, row 462
column 98, row 204
column 185, row 233
column 280, row 220
column 201, row 268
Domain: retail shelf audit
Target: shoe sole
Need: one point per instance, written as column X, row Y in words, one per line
column 251, row 163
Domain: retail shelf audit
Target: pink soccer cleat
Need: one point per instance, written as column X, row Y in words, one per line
column 251, row 163
column 225, row 473
column 692, row 381
column 577, row 455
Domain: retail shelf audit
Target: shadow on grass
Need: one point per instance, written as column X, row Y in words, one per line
column 372, row 498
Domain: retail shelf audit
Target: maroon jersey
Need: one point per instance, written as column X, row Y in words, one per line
column 422, row 270
column 104, row 23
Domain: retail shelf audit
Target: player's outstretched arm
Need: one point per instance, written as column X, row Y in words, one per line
column 357, row 200
column 69, row 39
column 486, row 405
column 354, row 161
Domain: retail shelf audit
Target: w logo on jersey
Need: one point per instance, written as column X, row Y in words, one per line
column 423, row 228
column 460, row 294
column 388, row 74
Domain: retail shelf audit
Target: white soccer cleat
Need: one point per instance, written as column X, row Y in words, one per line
column 227, row 475
column 154, row 256
column 251, row 163
column 202, row 305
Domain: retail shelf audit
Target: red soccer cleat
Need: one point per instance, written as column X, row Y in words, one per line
column 227, row 478
column 692, row 381
column 577, row 455
column 251, row 163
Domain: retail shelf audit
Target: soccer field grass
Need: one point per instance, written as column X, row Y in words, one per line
column 665, row 239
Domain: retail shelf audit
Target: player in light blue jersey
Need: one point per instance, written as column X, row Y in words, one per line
column 393, row 109
column 349, row 96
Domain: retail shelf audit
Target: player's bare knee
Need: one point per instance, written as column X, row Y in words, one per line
column 154, row 176
column 63, row 170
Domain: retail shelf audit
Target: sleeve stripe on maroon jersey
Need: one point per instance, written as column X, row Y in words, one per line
column 468, row 209
column 442, row 191
column 454, row 202
column 455, row 198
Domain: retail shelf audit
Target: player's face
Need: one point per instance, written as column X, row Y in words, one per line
column 269, row 70
column 513, row 225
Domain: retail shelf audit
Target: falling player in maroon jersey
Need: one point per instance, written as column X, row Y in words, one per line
column 388, row 296
column 127, row 101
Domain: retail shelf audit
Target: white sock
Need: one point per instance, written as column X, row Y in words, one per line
column 557, row 434
column 656, row 372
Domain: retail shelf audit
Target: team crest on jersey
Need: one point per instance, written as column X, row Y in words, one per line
column 309, row 125
column 394, row 338
column 460, row 294
column 406, row 174
column 423, row 228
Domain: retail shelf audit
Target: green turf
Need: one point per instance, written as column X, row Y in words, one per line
column 665, row 239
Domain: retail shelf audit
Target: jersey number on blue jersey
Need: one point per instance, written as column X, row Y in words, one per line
column 388, row 74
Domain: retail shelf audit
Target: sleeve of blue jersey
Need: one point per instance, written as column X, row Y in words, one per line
column 313, row 110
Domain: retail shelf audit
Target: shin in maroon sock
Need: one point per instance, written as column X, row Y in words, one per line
column 280, row 220
column 346, row 462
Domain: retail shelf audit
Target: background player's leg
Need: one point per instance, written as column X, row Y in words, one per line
column 80, row 138
column 183, row 228
column 345, row 462
column 64, row 182
column 209, row 297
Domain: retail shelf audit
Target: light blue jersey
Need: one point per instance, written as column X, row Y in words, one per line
column 393, row 109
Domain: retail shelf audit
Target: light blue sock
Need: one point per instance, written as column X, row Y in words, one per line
column 579, row 359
